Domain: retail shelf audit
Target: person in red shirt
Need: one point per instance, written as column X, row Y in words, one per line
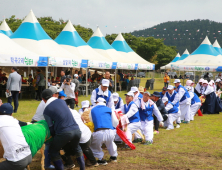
column 23, row 81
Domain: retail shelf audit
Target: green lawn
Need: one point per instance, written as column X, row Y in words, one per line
column 197, row 145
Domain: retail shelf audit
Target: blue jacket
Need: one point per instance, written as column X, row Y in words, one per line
column 101, row 116
column 135, row 117
column 118, row 104
column 175, row 108
column 105, row 97
column 171, row 98
column 147, row 113
column 195, row 99
column 186, row 94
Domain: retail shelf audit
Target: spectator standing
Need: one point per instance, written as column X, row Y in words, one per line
column 63, row 77
column 120, row 79
column 14, row 85
column 111, row 83
column 4, row 78
column 36, row 87
column 69, row 89
column 95, row 75
column 40, row 82
column 166, row 80
column 30, row 80
column 76, row 82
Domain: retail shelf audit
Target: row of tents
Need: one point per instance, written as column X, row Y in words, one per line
column 31, row 46
column 206, row 57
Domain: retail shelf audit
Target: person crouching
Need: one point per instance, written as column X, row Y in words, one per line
column 173, row 113
column 104, row 120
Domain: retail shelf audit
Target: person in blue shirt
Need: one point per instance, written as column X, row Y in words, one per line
column 130, row 109
column 195, row 103
column 105, row 122
column 63, row 127
column 173, row 113
column 118, row 101
column 185, row 101
column 164, row 90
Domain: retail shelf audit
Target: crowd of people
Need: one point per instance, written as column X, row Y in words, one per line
column 143, row 114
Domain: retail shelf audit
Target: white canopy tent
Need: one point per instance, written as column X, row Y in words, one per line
column 5, row 28
column 12, row 54
column 124, row 49
column 217, row 47
column 185, row 55
column 204, row 58
column 72, row 42
column 31, row 36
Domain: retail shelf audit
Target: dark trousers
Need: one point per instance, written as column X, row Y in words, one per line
column 15, row 95
column 166, row 84
column 156, row 123
column 70, row 138
column 70, row 103
column 39, row 93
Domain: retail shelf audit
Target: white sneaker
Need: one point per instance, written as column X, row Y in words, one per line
column 161, row 124
column 178, row 126
column 168, row 129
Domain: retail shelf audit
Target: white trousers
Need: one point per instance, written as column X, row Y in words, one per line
column 131, row 129
column 103, row 137
column 171, row 118
column 185, row 110
column 147, row 130
column 193, row 110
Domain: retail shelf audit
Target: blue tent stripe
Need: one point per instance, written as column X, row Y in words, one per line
column 219, row 50
column 205, row 49
column 32, row 31
column 121, row 46
column 183, row 56
column 70, row 38
column 8, row 33
column 175, row 59
column 99, row 43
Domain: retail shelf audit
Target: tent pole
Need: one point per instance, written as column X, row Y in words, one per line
column 86, row 82
column 136, row 73
column 46, row 77
column 115, row 79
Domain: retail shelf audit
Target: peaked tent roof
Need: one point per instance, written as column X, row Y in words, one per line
column 176, row 58
column 168, row 66
column 100, row 45
column 31, row 35
column 185, row 55
column 72, row 42
column 217, row 47
column 5, row 28
column 12, row 54
column 124, row 49
column 204, row 55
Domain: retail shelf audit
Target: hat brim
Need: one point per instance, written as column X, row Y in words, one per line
column 155, row 95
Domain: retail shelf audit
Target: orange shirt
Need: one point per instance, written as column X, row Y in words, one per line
column 166, row 79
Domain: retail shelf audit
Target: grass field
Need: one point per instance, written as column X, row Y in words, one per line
column 197, row 145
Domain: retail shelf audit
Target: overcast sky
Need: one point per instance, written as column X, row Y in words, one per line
column 114, row 16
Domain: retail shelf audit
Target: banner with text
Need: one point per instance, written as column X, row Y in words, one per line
column 64, row 62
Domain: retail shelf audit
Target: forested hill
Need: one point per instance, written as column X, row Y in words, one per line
column 184, row 34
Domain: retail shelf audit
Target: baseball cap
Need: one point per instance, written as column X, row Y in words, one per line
column 164, row 89
column 218, row 80
column 6, row 108
column 75, row 75
column 134, row 89
column 205, row 82
column 62, row 93
column 164, row 99
column 105, row 82
column 101, row 100
column 201, row 80
column 141, row 89
column 130, row 93
column 115, row 97
column 189, row 82
column 53, row 89
column 176, row 81
column 156, row 94
column 46, row 94
column 85, row 104
column 147, row 93
column 170, row 87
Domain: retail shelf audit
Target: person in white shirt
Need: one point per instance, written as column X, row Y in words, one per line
column 199, row 89
column 137, row 94
column 16, row 150
column 103, row 92
column 173, row 113
column 105, row 122
column 190, row 83
column 130, row 109
column 118, row 101
column 85, row 104
column 69, row 89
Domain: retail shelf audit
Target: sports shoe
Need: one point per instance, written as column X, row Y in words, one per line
column 156, row 132
column 137, row 140
column 118, row 142
column 113, row 158
column 186, row 122
column 95, row 165
column 126, row 147
column 178, row 126
column 68, row 167
column 147, row 143
column 102, row 162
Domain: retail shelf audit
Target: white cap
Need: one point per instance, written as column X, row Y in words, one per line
column 201, row 80
column 115, row 97
column 134, row 89
column 75, row 75
column 205, row 82
column 170, row 87
column 85, row 104
column 164, row 99
column 101, row 100
column 189, row 82
column 212, row 81
column 176, row 81
column 218, row 80
column 188, row 88
column 130, row 93
column 105, row 82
